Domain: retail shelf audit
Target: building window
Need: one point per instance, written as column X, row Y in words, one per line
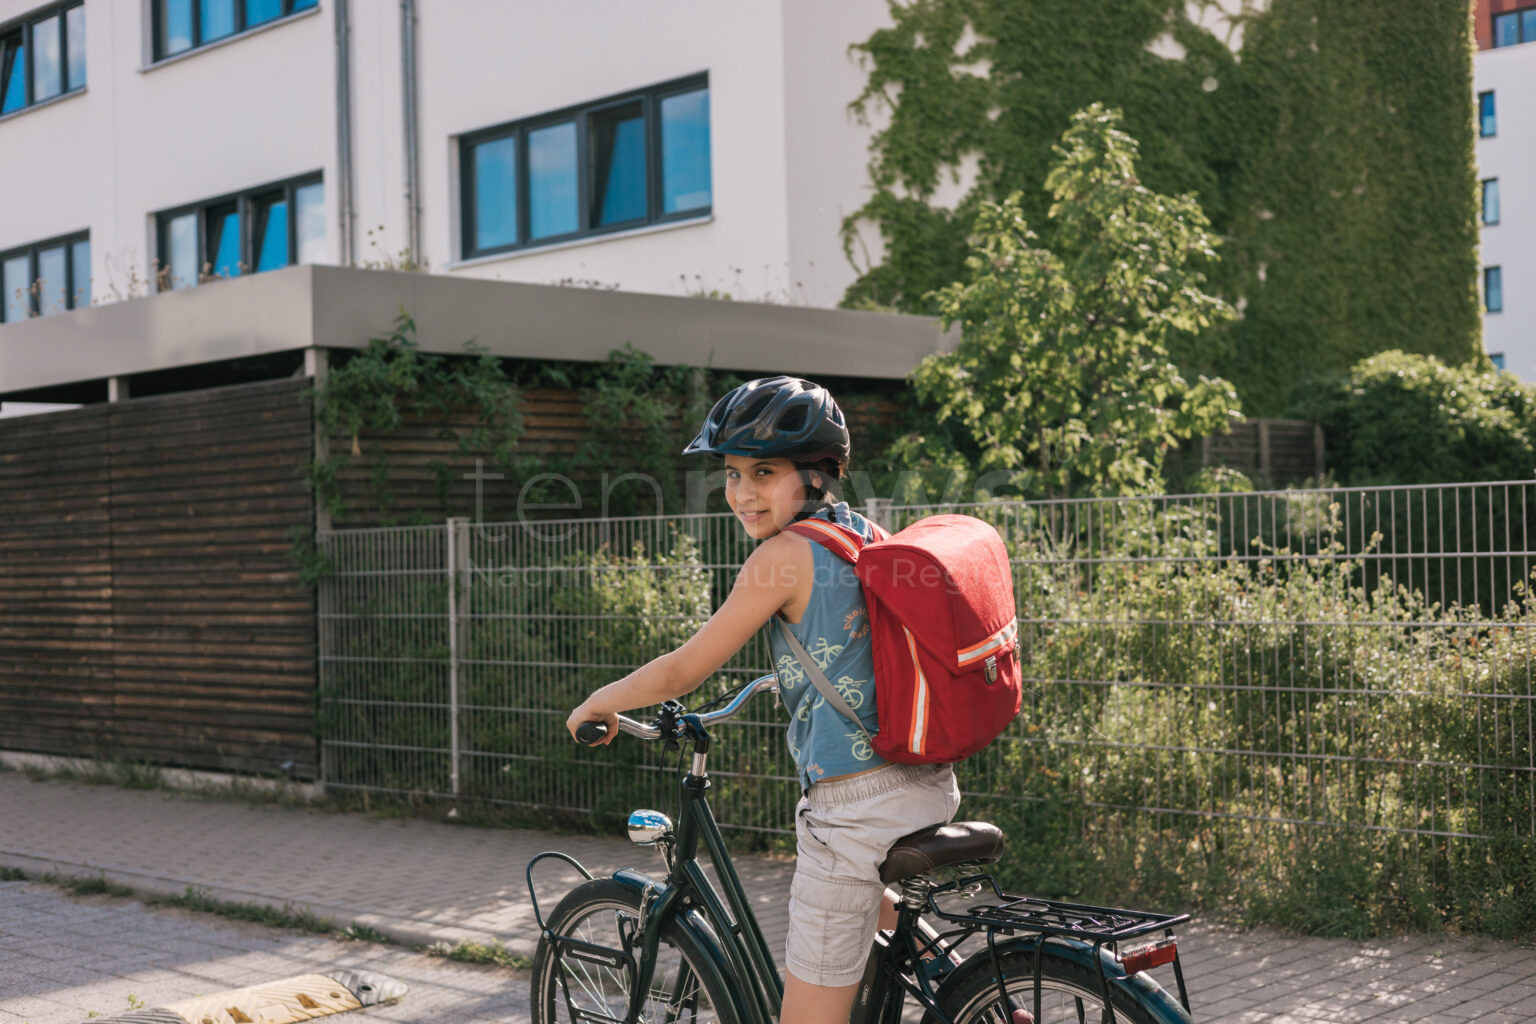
column 42, row 56
column 45, row 278
column 1514, row 27
column 1493, row 289
column 1490, row 200
column 182, row 25
column 1497, row 358
column 622, row 162
column 1487, row 116
column 262, row 229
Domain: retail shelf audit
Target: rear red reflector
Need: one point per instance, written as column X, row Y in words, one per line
column 1149, row 955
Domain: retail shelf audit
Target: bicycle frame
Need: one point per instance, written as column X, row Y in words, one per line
column 914, row 959
column 723, row 925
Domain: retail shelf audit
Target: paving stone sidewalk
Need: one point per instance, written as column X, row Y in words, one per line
column 421, row 882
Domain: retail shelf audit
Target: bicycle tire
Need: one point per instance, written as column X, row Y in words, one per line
column 1070, row 992
column 685, row 975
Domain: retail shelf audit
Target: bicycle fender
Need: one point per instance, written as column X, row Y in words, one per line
column 692, row 921
column 1163, row 1005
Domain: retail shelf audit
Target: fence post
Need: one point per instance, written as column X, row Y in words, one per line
column 458, row 575
column 878, row 511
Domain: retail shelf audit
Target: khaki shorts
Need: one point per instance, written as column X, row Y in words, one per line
column 844, row 829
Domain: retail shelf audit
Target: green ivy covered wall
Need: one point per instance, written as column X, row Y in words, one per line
column 1329, row 141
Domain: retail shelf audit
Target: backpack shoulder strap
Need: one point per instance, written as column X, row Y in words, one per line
column 840, row 540
column 818, row 677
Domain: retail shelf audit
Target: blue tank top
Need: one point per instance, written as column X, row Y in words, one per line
column 835, row 633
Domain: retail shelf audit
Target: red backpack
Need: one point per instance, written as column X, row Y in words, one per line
column 944, row 630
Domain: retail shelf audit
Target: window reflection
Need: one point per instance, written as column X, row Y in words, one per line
column 309, row 222
column 181, row 251
column 17, row 275
column 685, row 173
column 258, row 11
column 74, row 33
column 47, row 59
column 175, row 26
column 618, row 164
column 494, row 172
column 224, row 241
column 218, row 19
column 80, row 260
column 13, row 73
column 271, row 234
column 1506, row 30
column 1493, row 289
column 552, row 180
column 1488, row 122
column 52, row 281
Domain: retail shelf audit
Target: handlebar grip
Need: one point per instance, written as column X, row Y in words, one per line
column 588, row 733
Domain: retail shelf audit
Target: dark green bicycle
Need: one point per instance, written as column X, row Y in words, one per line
column 635, row 949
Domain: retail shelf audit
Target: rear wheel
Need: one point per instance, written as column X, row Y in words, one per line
column 685, row 988
column 1070, row 993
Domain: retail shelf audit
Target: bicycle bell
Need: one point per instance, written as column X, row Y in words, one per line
column 649, row 827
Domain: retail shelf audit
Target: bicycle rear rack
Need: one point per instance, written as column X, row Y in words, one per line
column 1011, row 914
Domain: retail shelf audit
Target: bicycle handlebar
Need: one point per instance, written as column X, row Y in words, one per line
column 588, row 733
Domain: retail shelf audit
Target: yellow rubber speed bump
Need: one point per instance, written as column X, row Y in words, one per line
column 276, row 1002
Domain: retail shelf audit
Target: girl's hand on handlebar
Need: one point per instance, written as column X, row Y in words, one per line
column 585, row 714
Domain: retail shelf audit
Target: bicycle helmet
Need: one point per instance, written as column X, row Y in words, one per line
column 775, row 417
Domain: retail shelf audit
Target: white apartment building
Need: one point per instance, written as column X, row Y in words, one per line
column 1505, row 79
column 671, row 146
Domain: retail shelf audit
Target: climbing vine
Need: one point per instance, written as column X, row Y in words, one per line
column 374, row 393
column 1328, row 141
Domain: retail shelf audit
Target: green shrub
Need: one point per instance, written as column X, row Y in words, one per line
column 1397, row 418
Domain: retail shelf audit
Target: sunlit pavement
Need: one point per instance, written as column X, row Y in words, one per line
column 423, row 881
column 65, row 958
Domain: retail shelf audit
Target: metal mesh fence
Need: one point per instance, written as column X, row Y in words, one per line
column 1355, row 658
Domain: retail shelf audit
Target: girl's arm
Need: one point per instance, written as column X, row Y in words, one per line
column 770, row 579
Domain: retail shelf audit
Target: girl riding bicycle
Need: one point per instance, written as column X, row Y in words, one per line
column 785, row 445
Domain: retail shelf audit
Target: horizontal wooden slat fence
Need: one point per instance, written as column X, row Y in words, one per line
column 151, row 609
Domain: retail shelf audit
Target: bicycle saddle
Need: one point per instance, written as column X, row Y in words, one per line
column 961, row 842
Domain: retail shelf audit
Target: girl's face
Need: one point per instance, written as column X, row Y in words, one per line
column 765, row 494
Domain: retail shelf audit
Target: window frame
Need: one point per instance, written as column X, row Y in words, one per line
column 1496, row 270
column 25, row 24
column 245, row 202
column 581, row 114
column 1517, row 14
column 1498, row 206
column 31, row 251
column 157, row 40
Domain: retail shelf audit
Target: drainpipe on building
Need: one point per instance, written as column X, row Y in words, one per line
column 345, row 215
column 408, row 104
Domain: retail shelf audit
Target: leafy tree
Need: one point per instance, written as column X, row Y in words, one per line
column 1062, row 383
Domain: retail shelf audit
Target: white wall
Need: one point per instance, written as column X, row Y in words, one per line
column 140, row 139
column 533, row 57
column 1510, row 156
column 788, row 160
column 827, row 150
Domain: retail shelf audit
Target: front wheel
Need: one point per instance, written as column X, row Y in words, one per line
column 685, row 988
column 1069, row 993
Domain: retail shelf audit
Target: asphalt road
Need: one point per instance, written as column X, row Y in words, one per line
column 64, row 958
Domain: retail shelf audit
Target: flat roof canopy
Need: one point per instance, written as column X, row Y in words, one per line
column 342, row 308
